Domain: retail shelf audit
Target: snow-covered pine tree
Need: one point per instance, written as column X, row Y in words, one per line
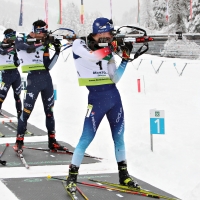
column 71, row 19
column 184, row 48
column 159, row 9
column 86, row 28
column 147, row 18
column 178, row 15
column 194, row 25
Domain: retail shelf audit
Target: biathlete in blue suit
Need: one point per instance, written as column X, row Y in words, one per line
column 98, row 72
column 35, row 60
column 9, row 72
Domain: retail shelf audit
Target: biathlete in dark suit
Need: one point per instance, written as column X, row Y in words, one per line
column 35, row 60
column 9, row 72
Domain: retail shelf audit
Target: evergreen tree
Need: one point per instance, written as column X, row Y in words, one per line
column 71, row 19
column 159, row 9
column 178, row 15
column 147, row 17
column 194, row 25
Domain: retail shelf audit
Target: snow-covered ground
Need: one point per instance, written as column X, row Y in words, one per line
column 174, row 164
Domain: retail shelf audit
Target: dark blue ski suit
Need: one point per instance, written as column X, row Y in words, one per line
column 10, row 74
column 35, row 60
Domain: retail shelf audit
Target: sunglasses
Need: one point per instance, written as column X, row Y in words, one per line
column 40, row 29
column 11, row 35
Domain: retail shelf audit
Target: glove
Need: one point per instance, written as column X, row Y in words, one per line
column 3, row 53
column 126, row 49
column 46, row 41
column 57, row 45
column 114, row 47
column 31, row 49
column 6, row 45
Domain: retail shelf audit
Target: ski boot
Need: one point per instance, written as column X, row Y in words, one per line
column 71, row 179
column 18, row 147
column 124, row 177
column 54, row 145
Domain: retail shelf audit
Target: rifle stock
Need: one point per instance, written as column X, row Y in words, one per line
column 51, row 38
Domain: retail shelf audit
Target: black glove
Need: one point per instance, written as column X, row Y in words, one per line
column 6, row 45
column 57, row 45
column 3, row 52
column 46, row 41
column 31, row 49
column 126, row 49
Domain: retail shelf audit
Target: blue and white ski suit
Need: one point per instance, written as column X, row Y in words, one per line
column 99, row 75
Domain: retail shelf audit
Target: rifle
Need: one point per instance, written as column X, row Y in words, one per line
column 52, row 38
column 7, row 45
column 9, row 42
column 137, row 35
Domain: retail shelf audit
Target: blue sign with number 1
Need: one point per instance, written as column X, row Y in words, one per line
column 157, row 126
column 157, row 122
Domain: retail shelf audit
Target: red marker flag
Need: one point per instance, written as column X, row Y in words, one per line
column 46, row 12
column 167, row 12
column 82, row 13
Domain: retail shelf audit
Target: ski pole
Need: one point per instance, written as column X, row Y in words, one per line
column 108, row 188
column 2, row 161
column 4, row 150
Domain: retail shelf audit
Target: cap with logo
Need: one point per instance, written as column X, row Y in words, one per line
column 102, row 25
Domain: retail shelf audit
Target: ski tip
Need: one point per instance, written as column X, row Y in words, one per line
column 7, row 144
column 49, row 177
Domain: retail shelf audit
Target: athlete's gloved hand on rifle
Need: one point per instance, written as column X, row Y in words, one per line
column 114, row 46
column 57, row 45
column 126, row 50
column 3, row 52
column 31, row 49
